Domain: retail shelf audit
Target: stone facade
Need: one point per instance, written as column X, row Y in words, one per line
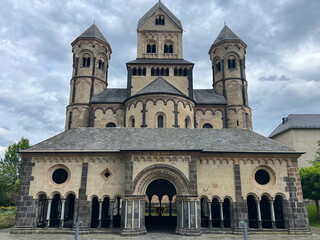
column 126, row 148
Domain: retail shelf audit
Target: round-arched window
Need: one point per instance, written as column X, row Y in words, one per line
column 262, row 177
column 207, row 125
column 160, row 121
column 111, row 124
column 60, row 176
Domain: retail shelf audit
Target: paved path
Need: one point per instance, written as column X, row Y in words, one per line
column 5, row 235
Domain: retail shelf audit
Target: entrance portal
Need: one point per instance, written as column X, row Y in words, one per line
column 161, row 210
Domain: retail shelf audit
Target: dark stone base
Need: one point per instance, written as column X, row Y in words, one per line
column 134, row 231
column 188, row 232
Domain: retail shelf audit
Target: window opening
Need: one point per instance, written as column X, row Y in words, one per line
column 59, row 176
column 262, row 177
column 218, row 67
column 207, row 125
column 134, row 72
column 111, row 124
column 160, row 121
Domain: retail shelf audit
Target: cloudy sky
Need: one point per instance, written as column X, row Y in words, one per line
column 283, row 55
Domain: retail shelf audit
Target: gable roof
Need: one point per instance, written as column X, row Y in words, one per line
column 159, row 139
column 152, row 11
column 297, row 121
column 226, row 34
column 110, row 95
column 92, row 32
column 160, row 61
column 208, row 96
column 159, row 85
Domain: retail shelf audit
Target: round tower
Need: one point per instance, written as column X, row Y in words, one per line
column 91, row 55
column 227, row 55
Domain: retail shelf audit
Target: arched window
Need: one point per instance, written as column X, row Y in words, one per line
column 148, row 48
column 160, row 20
column 154, row 49
column 278, row 212
column 175, row 72
column 252, row 212
column 160, row 121
column 180, row 71
column 105, row 216
column 218, row 66
column 139, row 72
column 162, row 72
column 204, row 212
column 144, row 72
column 185, row 72
column 152, row 72
column 101, row 65
column 116, row 212
column 134, row 72
column 265, row 212
column 86, row 60
column 94, row 212
column 170, row 48
column 111, row 124
column 55, row 213
column 69, row 211
column 157, row 72
column 231, row 63
column 187, row 123
column 216, row 217
column 226, row 206
column 132, row 122
column 207, row 125
column 167, row 71
column 166, row 50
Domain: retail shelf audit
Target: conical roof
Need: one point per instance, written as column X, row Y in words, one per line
column 155, row 8
column 160, row 85
column 226, row 34
column 93, row 32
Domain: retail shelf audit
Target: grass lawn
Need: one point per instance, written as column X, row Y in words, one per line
column 7, row 217
column 312, row 211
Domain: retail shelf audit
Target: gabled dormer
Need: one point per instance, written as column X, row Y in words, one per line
column 159, row 34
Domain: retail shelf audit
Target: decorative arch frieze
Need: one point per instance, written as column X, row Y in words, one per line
column 161, row 171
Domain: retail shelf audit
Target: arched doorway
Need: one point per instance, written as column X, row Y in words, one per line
column 161, row 206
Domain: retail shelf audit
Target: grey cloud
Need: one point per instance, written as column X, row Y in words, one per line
column 274, row 78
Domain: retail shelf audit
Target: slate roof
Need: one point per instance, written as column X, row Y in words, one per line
column 208, row 96
column 160, row 85
column 160, row 61
column 110, row 95
column 226, row 34
column 152, row 11
column 92, row 32
column 157, row 139
column 297, row 121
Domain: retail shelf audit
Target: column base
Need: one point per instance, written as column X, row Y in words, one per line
column 188, row 232
column 133, row 231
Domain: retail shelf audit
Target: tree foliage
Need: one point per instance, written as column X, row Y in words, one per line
column 317, row 159
column 10, row 169
column 310, row 181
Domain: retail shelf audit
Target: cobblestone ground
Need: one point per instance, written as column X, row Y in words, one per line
column 5, row 235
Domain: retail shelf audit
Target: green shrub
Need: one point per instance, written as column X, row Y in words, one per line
column 7, row 216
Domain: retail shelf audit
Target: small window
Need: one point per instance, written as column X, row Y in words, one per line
column 148, row 48
column 185, row 72
column 218, row 67
column 111, row 124
column 139, row 71
column 101, row 65
column 166, row 50
column 86, row 61
column 167, row 71
column 175, row 72
column 187, row 123
column 154, row 49
column 207, row 125
column 134, row 72
column 132, row 122
column 160, row 121
column 231, row 63
column 144, row 72
column 170, row 48
column 180, row 72
column 160, row 20
column 157, row 72
column 152, row 72
column 162, row 72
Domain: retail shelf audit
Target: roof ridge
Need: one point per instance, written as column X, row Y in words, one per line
column 226, row 34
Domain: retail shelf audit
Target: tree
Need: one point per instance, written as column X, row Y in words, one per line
column 310, row 181
column 317, row 159
column 10, row 169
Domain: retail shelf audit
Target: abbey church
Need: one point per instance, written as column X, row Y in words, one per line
column 159, row 152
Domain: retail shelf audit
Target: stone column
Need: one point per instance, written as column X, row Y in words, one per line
column 259, row 215
column 221, row 215
column 210, row 214
column 100, row 214
column 49, row 212
column 188, row 214
column 133, row 216
column 273, row 219
column 111, row 213
column 63, row 203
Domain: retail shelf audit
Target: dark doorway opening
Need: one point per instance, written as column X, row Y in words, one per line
column 69, row 211
column 252, row 212
column 278, row 210
column 94, row 213
column 161, row 210
column 265, row 212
